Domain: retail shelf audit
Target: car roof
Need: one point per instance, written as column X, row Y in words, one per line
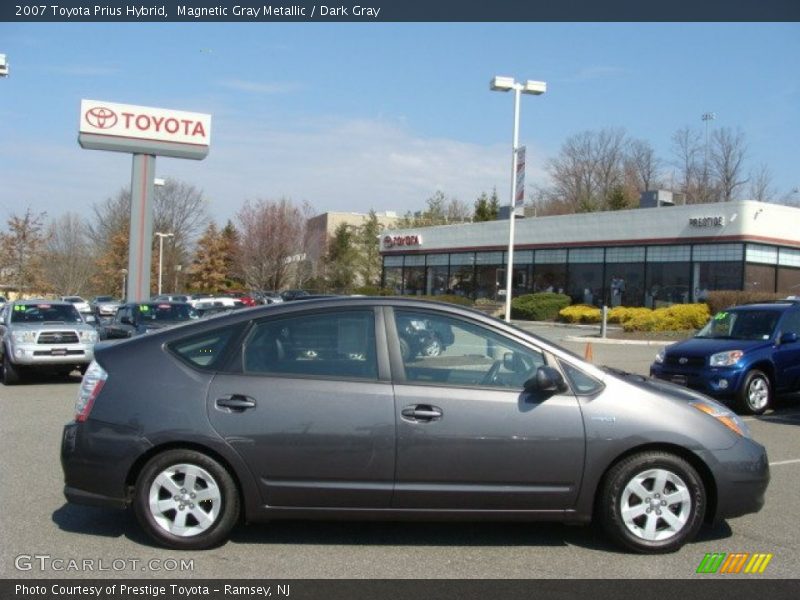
column 777, row 305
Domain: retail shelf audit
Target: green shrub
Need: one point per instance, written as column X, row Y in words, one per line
column 449, row 298
column 538, row 307
column 373, row 290
column 720, row 300
column 580, row 313
column 678, row 317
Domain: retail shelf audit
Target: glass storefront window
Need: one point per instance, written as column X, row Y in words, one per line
column 710, row 276
column 667, row 283
column 393, row 279
column 437, row 280
column 586, row 283
column 414, row 281
column 550, row 278
column 625, row 283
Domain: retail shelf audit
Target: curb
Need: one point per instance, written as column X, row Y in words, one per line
column 596, row 340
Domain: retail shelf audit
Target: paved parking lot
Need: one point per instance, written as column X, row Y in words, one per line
column 35, row 520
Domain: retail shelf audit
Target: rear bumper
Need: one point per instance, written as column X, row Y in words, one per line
column 96, row 458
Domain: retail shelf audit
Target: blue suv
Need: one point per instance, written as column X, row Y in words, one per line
column 743, row 356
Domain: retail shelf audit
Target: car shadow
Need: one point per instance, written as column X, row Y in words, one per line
column 102, row 522
column 114, row 524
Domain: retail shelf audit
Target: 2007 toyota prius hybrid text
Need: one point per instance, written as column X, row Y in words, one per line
column 312, row 410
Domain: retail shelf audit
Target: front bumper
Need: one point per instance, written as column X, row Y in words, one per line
column 717, row 382
column 741, row 474
column 51, row 354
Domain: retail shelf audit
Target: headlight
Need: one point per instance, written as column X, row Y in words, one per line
column 725, row 359
column 660, row 356
column 24, row 337
column 728, row 418
column 88, row 336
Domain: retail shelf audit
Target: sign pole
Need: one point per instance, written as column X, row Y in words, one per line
column 140, row 248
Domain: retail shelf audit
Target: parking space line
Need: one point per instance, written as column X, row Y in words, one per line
column 784, row 462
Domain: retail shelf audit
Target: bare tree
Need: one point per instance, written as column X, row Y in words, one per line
column 643, row 165
column 727, row 161
column 271, row 240
column 67, row 267
column 588, row 173
column 178, row 208
column 687, row 151
column 20, row 249
column 761, row 184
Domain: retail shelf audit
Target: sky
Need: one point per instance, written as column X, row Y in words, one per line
column 354, row 116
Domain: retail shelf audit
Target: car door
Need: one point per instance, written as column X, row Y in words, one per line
column 310, row 408
column 468, row 438
column 787, row 355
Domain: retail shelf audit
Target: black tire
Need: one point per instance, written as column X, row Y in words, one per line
column 682, row 483
column 11, row 373
column 754, row 396
column 222, row 511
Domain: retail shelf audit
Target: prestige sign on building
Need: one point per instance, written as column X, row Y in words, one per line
column 144, row 132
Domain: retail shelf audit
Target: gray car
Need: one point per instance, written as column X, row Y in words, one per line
column 43, row 335
column 310, row 410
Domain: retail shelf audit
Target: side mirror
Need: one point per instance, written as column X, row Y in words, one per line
column 547, row 379
column 790, row 337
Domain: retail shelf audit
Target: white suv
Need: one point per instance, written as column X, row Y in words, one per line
column 43, row 335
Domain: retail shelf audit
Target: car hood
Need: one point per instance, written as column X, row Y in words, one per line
column 660, row 387
column 51, row 326
column 709, row 346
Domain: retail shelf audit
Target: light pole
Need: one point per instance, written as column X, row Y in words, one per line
column 124, row 273
column 161, row 237
column 535, row 88
column 706, row 117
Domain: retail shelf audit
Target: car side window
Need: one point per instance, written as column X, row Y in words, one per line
column 207, row 350
column 791, row 323
column 339, row 345
column 582, row 384
column 443, row 350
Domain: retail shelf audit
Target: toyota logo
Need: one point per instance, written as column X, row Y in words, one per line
column 388, row 242
column 101, row 117
column 683, row 360
column 58, row 337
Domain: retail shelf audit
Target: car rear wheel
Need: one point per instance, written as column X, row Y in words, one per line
column 653, row 502
column 186, row 500
column 11, row 373
column 755, row 395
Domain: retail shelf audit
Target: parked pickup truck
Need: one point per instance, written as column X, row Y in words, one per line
column 43, row 335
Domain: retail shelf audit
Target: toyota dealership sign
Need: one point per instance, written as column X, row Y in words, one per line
column 157, row 131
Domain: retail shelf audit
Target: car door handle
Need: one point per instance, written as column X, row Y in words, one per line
column 236, row 402
column 422, row 412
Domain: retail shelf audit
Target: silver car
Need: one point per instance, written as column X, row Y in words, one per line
column 39, row 335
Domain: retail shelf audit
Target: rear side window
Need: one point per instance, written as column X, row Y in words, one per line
column 339, row 345
column 208, row 350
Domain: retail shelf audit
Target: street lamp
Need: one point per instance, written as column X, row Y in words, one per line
column 161, row 237
column 124, row 273
column 535, row 88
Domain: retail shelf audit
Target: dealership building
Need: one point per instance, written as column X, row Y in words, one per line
column 639, row 257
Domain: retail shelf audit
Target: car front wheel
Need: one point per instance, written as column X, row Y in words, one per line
column 652, row 502
column 186, row 500
column 11, row 373
column 755, row 395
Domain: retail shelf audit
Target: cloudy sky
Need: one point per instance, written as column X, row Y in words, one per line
column 354, row 116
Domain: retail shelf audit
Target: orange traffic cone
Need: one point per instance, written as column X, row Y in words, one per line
column 588, row 356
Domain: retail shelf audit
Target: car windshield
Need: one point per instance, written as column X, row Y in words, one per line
column 741, row 325
column 40, row 313
column 104, row 299
column 167, row 312
column 73, row 299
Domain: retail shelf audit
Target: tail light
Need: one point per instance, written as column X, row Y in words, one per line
column 93, row 381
